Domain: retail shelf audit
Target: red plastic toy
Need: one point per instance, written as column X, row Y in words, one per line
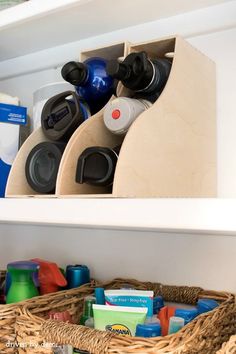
column 50, row 276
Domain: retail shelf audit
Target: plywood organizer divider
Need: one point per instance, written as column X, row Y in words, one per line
column 89, row 133
column 170, row 150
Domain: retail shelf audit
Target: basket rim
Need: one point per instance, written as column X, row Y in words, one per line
column 195, row 328
column 221, row 296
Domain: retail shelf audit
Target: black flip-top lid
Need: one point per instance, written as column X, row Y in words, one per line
column 42, row 166
column 74, row 72
column 96, row 166
column 61, row 115
column 135, row 72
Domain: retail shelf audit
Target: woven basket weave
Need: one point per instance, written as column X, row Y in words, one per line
column 70, row 300
column 8, row 315
column 229, row 347
column 204, row 335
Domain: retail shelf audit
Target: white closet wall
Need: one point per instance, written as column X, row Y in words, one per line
column 202, row 260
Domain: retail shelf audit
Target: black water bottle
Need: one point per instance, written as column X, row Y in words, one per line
column 42, row 166
column 146, row 77
column 96, row 166
column 62, row 114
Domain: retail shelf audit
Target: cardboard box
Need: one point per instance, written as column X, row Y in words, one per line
column 11, row 117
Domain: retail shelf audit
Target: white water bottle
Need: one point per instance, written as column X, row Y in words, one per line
column 120, row 113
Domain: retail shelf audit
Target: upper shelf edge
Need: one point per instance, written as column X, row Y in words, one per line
column 175, row 215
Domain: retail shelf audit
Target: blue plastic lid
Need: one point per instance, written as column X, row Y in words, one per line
column 158, row 303
column 205, row 305
column 79, row 269
column 24, row 265
column 76, row 266
column 148, row 330
column 187, row 314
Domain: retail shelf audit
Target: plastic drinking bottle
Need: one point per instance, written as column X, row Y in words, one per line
column 121, row 112
column 22, row 285
column 91, row 80
column 62, row 114
column 146, row 77
column 96, row 166
column 42, row 166
column 77, row 275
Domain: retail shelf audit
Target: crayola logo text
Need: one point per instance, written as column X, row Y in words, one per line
column 118, row 329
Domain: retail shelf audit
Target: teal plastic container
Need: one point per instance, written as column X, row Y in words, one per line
column 22, row 285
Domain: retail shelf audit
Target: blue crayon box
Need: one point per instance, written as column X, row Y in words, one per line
column 11, row 117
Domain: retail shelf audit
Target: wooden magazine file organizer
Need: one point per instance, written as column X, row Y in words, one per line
column 170, row 149
column 17, row 185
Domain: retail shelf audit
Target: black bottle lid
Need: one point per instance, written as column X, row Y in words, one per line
column 42, row 166
column 96, row 166
column 135, row 72
column 74, row 72
column 61, row 115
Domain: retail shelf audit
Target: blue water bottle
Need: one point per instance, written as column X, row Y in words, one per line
column 77, row 275
column 91, row 81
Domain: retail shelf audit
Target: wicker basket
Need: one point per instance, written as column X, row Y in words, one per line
column 68, row 299
column 204, row 335
column 228, row 347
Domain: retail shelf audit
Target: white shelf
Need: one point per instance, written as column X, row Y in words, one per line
column 208, row 216
column 40, row 24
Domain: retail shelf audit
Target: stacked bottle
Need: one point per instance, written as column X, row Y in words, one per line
column 146, row 79
column 61, row 116
column 91, row 80
column 95, row 81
